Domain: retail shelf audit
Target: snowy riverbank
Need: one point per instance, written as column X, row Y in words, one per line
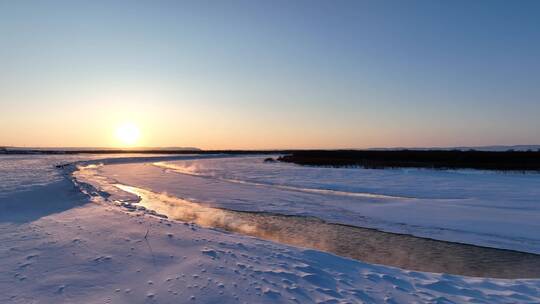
column 58, row 247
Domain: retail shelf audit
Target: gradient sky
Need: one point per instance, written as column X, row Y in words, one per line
column 270, row 74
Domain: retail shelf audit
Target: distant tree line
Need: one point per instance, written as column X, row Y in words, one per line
column 439, row 159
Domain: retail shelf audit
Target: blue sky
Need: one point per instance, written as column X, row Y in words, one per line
column 270, row 74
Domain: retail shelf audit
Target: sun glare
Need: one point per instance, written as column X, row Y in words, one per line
column 128, row 134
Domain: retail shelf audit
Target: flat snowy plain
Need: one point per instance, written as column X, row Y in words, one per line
column 66, row 242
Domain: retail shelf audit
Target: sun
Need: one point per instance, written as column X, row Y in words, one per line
column 128, row 134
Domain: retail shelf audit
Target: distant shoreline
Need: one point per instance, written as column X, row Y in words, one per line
column 19, row 151
column 509, row 160
column 435, row 159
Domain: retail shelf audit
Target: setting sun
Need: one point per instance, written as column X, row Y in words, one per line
column 128, row 134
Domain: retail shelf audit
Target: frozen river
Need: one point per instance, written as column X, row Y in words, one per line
column 499, row 210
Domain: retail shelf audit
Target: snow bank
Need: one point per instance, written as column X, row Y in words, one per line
column 98, row 254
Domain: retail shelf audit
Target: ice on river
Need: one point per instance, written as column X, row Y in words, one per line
column 477, row 207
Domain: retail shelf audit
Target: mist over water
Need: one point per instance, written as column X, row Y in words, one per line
column 367, row 245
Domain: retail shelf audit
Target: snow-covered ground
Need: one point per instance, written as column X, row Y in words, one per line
column 59, row 246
